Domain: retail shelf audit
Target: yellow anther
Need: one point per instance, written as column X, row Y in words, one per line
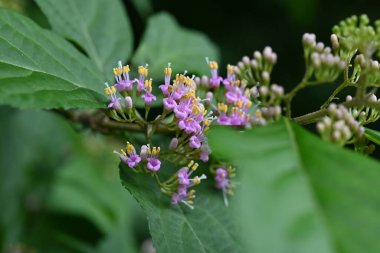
column 206, row 122
column 110, row 90
column 195, row 166
column 213, row 65
column 222, row 107
column 117, row 71
column 126, row 69
column 130, row 148
column 258, row 114
column 247, row 92
column 190, row 202
column 123, row 152
column 230, row 69
column 196, row 180
column 191, row 163
column 237, row 83
column 191, row 192
column 239, row 103
column 248, row 103
column 142, row 71
column 168, row 71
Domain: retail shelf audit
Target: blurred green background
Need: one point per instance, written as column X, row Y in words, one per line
column 59, row 187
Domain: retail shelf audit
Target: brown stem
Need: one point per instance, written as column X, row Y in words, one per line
column 100, row 122
column 315, row 116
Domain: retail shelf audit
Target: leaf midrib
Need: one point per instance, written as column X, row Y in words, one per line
column 301, row 167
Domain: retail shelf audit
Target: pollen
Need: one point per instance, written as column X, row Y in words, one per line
column 126, row 69
column 143, row 71
column 222, row 107
column 213, row 65
column 110, row 90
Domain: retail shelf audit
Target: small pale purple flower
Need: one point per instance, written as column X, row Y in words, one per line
column 194, row 142
column 153, row 164
column 148, row 98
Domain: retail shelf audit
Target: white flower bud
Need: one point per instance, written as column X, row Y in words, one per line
column 257, row 55
column 278, row 110
column 319, row 47
column 265, row 76
column 336, row 135
column 346, row 132
column 348, row 98
column 173, row 144
column 327, row 121
column 209, row 96
column 267, row 52
column 197, row 80
column 372, row 98
column 204, row 80
column 254, row 92
column 327, row 50
column 263, row 90
column 240, row 65
column 246, row 60
column 309, row 39
column 128, row 102
column 334, row 41
column 320, row 127
column 144, row 152
column 375, row 64
column 236, row 70
column 360, row 131
column 254, row 64
column 273, row 58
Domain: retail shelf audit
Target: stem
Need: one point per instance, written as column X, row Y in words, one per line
column 289, row 97
column 333, row 95
column 315, row 116
column 101, row 123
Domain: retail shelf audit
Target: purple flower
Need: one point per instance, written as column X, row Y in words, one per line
column 133, row 160
column 153, row 164
column 129, row 156
column 184, row 182
column 221, row 179
column 215, row 79
column 115, row 103
column 169, row 103
column 122, row 83
column 164, row 87
column 194, row 142
column 148, row 98
column 183, row 176
column 189, row 125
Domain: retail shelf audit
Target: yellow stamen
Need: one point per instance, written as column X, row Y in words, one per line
column 196, row 180
column 143, row 71
column 230, row 69
column 126, row 69
column 117, row 71
column 168, row 71
column 110, row 90
column 191, row 163
column 213, row 65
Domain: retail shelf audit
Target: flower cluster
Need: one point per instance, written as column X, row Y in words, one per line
column 223, row 181
column 340, row 126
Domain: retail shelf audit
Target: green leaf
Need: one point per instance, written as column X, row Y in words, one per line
column 100, row 27
column 39, row 69
column 177, row 229
column 165, row 41
column 299, row 194
column 372, row 135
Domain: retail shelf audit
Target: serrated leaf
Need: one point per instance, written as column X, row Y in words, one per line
column 165, row 41
column 177, row 229
column 100, row 27
column 299, row 194
column 39, row 69
column 372, row 135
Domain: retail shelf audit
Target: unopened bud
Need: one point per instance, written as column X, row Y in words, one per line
column 257, row 55
column 128, row 102
column 241, row 65
column 348, row 98
column 372, row 98
column 209, row 96
column 254, row 64
column 334, row 41
column 173, row 144
column 246, row 60
column 319, row 47
column 265, row 76
column 263, row 90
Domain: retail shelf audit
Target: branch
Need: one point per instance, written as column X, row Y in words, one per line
column 315, row 116
column 100, row 122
